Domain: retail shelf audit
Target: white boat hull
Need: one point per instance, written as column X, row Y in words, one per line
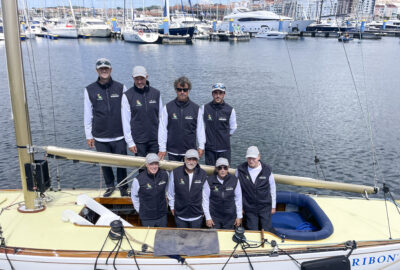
column 95, row 32
column 1, row 36
column 369, row 258
column 271, row 35
column 141, row 38
column 64, row 32
column 255, row 26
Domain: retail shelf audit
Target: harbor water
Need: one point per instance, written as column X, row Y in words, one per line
column 294, row 99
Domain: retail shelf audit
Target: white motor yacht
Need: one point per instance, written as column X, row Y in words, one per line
column 252, row 21
column 63, row 28
column 390, row 25
column 141, row 33
column 266, row 32
column 94, row 27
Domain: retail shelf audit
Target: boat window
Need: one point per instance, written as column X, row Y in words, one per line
column 254, row 20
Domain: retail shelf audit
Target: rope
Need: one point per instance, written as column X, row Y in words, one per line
column 385, row 190
column 307, row 124
column 125, row 180
column 54, row 117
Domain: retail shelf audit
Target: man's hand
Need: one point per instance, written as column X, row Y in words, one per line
column 90, row 143
column 273, row 211
column 238, row 222
column 161, row 155
column 133, row 149
column 201, row 152
column 173, row 212
column 209, row 223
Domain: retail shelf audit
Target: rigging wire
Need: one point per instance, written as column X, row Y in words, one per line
column 58, row 173
column 307, row 124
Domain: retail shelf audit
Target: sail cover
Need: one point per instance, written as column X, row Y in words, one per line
column 186, row 242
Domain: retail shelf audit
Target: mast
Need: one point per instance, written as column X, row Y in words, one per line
column 18, row 94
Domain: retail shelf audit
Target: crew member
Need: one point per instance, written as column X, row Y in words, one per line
column 185, row 189
column 220, row 123
column 141, row 108
column 148, row 193
column 222, row 198
column 180, row 124
column 258, row 189
column 102, row 119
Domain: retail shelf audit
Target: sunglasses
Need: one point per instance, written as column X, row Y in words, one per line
column 219, row 86
column 222, row 168
column 103, row 62
column 182, row 89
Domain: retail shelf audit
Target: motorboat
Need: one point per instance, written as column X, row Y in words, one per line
column 1, row 30
column 94, row 27
column 252, row 21
column 265, row 32
column 141, row 33
column 63, row 28
column 80, row 229
column 331, row 26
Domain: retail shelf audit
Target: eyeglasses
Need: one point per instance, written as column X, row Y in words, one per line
column 222, row 168
column 182, row 89
column 219, row 86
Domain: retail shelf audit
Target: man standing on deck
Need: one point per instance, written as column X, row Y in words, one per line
column 180, row 124
column 148, row 194
column 102, row 118
column 220, row 123
column 141, row 108
column 185, row 189
column 258, row 190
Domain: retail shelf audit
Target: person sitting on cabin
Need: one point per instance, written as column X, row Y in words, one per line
column 148, row 193
column 258, row 189
column 222, row 198
column 185, row 189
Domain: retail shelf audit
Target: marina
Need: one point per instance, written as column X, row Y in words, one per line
column 323, row 113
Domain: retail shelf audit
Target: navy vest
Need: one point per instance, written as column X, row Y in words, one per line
column 182, row 125
column 216, row 121
column 144, row 106
column 257, row 196
column 106, row 102
column 188, row 204
column 152, row 194
column 222, row 197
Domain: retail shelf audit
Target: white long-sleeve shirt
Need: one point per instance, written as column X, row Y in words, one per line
column 163, row 132
column 126, row 120
column 206, row 199
column 254, row 172
column 171, row 194
column 88, row 117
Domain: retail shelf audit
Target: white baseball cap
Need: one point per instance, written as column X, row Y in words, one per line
column 151, row 158
column 222, row 162
column 252, row 152
column 192, row 153
column 139, row 71
column 103, row 62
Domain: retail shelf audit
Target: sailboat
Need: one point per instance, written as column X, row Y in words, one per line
column 79, row 229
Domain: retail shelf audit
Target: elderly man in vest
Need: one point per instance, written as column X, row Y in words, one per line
column 258, row 189
column 185, row 189
column 102, row 119
column 141, row 109
column 220, row 123
column 222, row 198
column 180, row 124
column 148, row 194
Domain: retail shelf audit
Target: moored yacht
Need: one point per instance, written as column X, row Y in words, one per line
column 252, row 21
column 94, row 27
column 64, row 28
column 141, row 33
